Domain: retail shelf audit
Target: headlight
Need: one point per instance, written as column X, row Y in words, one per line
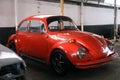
column 81, row 52
column 111, row 46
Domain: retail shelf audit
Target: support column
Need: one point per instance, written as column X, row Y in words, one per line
column 115, row 21
column 16, row 13
column 62, row 7
column 81, row 16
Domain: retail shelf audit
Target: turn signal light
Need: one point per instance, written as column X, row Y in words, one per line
column 72, row 41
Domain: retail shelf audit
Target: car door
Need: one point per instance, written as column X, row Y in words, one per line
column 22, row 37
column 37, row 39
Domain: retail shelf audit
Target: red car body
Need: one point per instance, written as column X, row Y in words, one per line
column 40, row 36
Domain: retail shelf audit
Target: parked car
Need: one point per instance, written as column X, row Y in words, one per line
column 12, row 67
column 56, row 40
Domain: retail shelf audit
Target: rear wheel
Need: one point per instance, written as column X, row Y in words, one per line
column 59, row 62
column 12, row 46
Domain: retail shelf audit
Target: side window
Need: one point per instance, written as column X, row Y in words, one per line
column 53, row 26
column 36, row 26
column 22, row 27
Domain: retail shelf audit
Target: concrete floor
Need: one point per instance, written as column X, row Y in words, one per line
column 111, row 71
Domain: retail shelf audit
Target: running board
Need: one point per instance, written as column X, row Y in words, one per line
column 33, row 58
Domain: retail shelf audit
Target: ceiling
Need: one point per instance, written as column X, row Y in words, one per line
column 96, row 2
column 78, row 0
column 87, row 0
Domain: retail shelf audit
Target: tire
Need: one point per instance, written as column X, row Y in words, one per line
column 12, row 46
column 60, row 63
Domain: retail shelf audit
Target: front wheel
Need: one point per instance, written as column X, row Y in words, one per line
column 59, row 62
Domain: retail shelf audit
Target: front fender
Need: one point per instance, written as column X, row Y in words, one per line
column 68, row 48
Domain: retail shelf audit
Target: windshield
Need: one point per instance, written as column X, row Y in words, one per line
column 58, row 23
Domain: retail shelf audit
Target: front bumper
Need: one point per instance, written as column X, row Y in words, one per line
column 11, row 76
column 97, row 63
column 12, row 71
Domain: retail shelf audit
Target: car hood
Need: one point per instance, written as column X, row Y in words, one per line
column 95, row 44
column 8, row 57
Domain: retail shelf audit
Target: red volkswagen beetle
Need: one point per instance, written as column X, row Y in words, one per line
column 56, row 40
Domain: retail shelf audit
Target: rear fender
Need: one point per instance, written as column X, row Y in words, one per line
column 14, row 39
column 11, row 38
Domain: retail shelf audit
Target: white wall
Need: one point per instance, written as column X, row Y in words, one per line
column 26, row 8
column 73, row 11
column 29, row 7
column 118, row 18
column 98, row 16
column 92, row 15
column 7, row 13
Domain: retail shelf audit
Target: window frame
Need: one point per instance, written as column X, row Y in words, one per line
column 26, row 26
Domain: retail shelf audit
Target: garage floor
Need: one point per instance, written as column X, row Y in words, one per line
column 111, row 71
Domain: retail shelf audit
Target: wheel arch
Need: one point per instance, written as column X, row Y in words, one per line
column 11, row 38
column 65, row 48
column 54, row 51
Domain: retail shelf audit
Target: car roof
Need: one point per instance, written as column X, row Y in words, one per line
column 39, row 17
column 42, row 16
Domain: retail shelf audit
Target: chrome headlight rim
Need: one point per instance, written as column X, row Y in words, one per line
column 81, row 52
column 111, row 46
